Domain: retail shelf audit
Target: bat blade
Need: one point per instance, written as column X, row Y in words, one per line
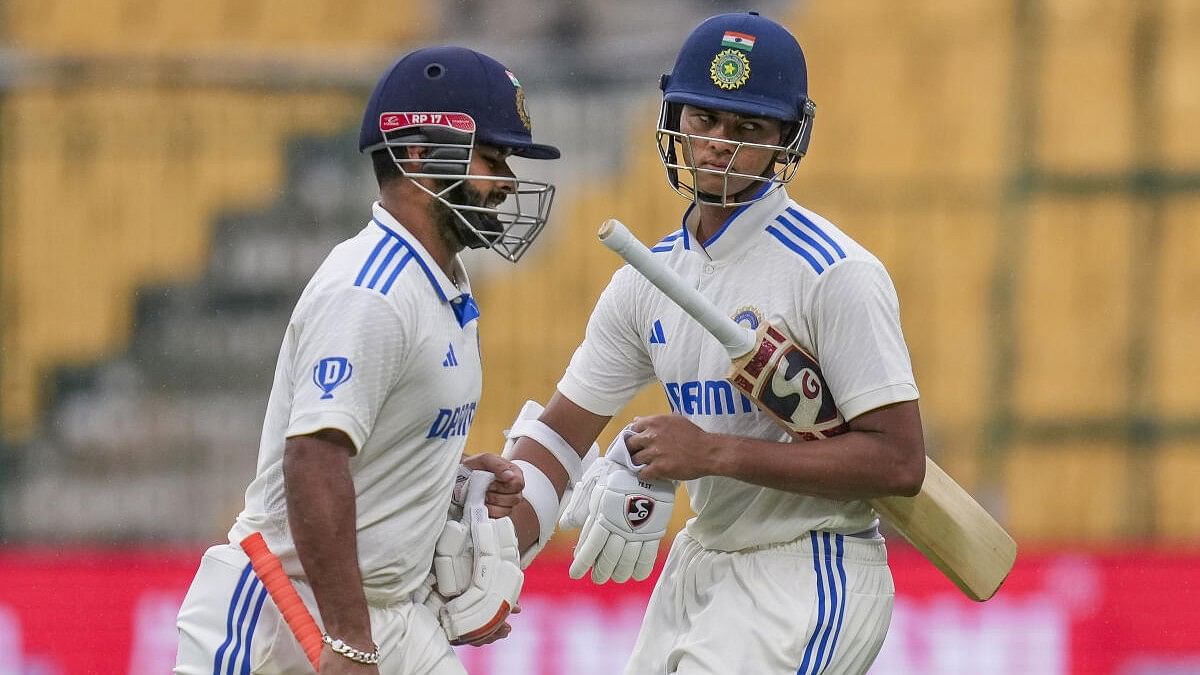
column 954, row 532
column 943, row 521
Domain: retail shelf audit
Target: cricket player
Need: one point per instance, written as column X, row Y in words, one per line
column 375, row 389
column 783, row 569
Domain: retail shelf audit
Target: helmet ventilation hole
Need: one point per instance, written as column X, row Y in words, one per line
column 434, row 70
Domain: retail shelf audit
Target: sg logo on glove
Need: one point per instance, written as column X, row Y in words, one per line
column 623, row 517
column 638, row 509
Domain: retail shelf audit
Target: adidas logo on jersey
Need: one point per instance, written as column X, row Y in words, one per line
column 451, row 359
column 657, row 336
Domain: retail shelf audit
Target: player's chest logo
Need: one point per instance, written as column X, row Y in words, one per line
column 330, row 373
column 748, row 316
column 451, row 360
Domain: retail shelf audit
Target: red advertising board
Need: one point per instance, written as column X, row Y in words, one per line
column 1128, row 612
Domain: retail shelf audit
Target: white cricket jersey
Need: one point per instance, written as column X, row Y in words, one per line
column 772, row 260
column 383, row 346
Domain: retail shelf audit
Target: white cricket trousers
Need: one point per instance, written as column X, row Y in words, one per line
column 228, row 625
column 820, row 604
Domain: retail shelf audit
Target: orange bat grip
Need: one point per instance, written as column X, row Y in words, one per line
column 270, row 572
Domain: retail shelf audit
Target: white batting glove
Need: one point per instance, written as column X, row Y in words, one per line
column 624, row 517
column 476, row 568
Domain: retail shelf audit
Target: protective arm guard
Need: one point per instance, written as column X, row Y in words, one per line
column 624, row 517
column 539, row 491
column 476, row 568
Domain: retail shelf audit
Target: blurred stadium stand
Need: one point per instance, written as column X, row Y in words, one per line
column 171, row 173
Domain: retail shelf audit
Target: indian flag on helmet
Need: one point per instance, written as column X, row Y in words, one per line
column 737, row 40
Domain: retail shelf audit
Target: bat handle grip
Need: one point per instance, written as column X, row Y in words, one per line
column 270, row 572
column 737, row 339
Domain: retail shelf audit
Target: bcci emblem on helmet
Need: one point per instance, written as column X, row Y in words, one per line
column 638, row 509
column 521, row 109
column 730, row 69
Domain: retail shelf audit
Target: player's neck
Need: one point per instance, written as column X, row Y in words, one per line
column 412, row 211
column 707, row 219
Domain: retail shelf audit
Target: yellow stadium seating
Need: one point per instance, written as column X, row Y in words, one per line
column 112, row 190
column 918, row 152
column 1178, row 500
column 1070, row 492
column 129, row 27
column 1175, row 333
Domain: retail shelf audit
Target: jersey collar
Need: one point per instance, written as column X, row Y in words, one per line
column 458, row 296
column 741, row 226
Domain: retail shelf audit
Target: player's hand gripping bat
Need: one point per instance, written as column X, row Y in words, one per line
column 950, row 528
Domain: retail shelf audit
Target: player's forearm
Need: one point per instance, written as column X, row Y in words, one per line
column 882, row 455
column 321, row 514
column 525, row 522
column 578, row 428
column 855, row 465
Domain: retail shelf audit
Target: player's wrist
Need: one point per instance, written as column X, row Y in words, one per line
column 354, row 635
column 366, row 655
column 721, row 453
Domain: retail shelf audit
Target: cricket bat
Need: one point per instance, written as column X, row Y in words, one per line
column 943, row 522
column 270, row 572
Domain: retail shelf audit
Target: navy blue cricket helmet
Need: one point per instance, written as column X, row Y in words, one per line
column 743, row 63
column 445, row 100
column 461, row 80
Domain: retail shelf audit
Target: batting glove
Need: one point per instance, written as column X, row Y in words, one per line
column 623, row 516
column 476, row 568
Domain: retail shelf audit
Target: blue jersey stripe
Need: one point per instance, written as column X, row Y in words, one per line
column 812, row 243
column 796, row 247
column 420, row 261
column 668, row 242
column 387, row 260
column 387, row 285
column 362, row 273
column 241, row 622
column 820, row 579
column 831, row 580
column 820, row 233
column 233, row 604
column 262, row 595
column 841, row 570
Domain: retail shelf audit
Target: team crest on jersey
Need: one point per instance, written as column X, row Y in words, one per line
column 638, row 509
column 331, row 373
column 748, row 316
column 730, row 69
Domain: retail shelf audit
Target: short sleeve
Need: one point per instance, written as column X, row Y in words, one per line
column 610, row 366
column 854, row 319
column 349, row 353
